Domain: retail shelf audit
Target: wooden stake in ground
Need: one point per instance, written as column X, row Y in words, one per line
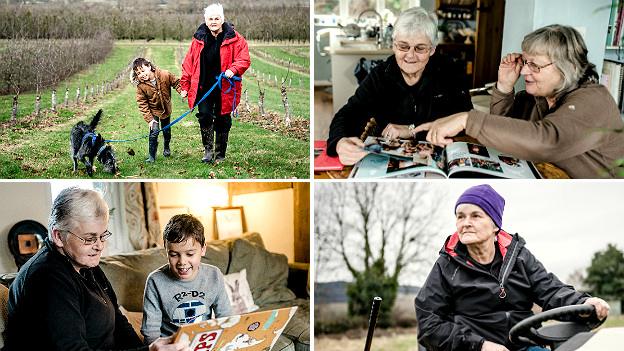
column 66, row 102
column 246, row 96
column 261, row 100
column 53, row 100
column 284, row 92
column 77, row 95
column 37, row 103
column 14, row 110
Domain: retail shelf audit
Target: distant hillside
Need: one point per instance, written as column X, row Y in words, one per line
column 336, row 292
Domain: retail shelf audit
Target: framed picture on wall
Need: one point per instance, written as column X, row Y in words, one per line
column 229, row 222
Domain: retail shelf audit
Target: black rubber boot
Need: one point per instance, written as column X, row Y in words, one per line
column 221, row 146
column 167, row 139
column 152, row 146
column 207, row 134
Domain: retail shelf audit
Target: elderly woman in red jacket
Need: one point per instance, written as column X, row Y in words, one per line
column 216, row 48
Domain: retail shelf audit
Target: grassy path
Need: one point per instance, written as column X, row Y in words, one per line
column 41, row 149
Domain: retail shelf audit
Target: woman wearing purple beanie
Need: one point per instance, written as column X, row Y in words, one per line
column 485, row 281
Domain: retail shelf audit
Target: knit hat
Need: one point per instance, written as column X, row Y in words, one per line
column 487, row 198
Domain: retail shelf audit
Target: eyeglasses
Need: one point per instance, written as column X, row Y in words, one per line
column 419, row 49
column 534, row 67
column 92, row 239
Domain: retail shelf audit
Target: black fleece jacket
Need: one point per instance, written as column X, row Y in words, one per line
column 441, row 91
column 461, row 305
column 53, row 307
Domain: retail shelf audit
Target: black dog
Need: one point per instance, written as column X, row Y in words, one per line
column 86, row 145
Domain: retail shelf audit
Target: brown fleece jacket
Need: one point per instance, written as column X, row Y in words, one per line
column 577, row 134
column 156, row 101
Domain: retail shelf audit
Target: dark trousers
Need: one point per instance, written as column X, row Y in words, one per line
column 210, row 116
column 166, row 132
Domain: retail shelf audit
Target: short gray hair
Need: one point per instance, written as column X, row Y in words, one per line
column 215, row 8
column 417, row 20
column 565, row 47
column 76, row 205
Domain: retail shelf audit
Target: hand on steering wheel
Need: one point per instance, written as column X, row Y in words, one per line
column 527, row 332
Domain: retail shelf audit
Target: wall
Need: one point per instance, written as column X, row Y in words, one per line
column 196, row 198
column 21, row 201
column 271, row 214
column 589, row 17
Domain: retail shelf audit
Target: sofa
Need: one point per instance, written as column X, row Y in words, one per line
column 272, row 281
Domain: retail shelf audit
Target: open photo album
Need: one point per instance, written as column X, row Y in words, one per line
column 420, row 159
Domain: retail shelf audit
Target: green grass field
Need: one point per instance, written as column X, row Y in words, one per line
column 40, row 148
column 385, row 339
column 286, row 53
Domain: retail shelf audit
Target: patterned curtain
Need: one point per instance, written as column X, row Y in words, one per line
column 142, row 217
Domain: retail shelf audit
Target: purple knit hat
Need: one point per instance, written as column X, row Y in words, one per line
column 487, row 198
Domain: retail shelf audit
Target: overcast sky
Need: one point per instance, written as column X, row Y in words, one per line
column 563, row 222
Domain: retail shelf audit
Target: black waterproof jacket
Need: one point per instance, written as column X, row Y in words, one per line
column 441, row 91
column 460, row 306
column 53, row 307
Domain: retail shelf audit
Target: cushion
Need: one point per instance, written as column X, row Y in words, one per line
column 283, row 344
column 267, row 272
column 218, row 251
column 298, row 329
column 217, row 254
column 128, row 273
column 238, row 292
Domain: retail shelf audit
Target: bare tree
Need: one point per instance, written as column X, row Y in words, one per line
column 377, row 232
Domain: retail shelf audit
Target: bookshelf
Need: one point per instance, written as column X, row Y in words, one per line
column 612, row 75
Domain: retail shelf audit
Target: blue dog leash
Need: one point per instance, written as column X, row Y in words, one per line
column 220, row 77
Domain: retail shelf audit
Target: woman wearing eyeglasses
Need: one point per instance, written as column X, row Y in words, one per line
column 564, row 116
column 61, row 299
column 412, row 86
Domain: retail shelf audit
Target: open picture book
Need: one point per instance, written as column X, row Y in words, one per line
column 421, row 159
column 256, row 331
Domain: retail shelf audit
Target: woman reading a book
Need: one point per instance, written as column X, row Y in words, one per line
column 485, row 281
column 412, row 86
column 564, row 116
column 61, row 299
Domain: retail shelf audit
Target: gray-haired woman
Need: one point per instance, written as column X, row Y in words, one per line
column 412, row 86
column 564, row 116
column 61, row 296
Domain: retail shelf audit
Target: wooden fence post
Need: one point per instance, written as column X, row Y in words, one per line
column 77, row 95
column 66, row 102
column 86, row 92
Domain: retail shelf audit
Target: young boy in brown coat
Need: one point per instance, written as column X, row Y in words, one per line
column 153, row 94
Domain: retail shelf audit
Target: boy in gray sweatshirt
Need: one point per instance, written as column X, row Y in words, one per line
column 185, row 290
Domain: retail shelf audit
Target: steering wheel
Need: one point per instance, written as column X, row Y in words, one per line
column 526, row 332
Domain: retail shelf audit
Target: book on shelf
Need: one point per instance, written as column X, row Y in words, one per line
column 322, row 161
column 420, row 159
